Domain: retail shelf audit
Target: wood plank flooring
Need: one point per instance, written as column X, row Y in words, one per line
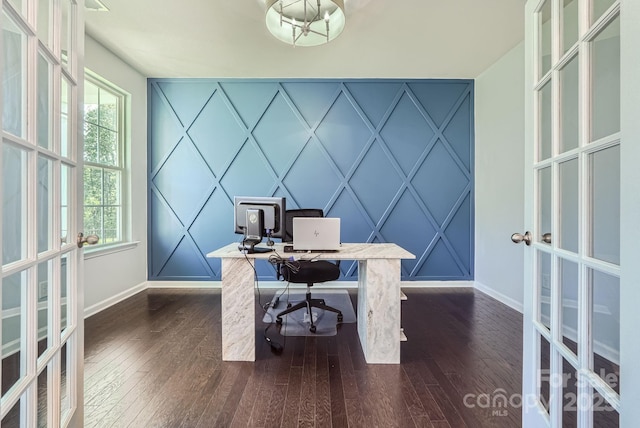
column 154, row 360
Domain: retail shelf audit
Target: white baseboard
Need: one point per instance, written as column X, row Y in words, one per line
column 203, row 285
column 184, row 284
column 436, row 284
column 94, row 309
column 512, row 303
column 332, row 284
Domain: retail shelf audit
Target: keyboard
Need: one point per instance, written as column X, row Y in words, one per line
column 289, row 249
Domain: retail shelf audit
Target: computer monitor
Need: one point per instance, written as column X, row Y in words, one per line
column 258, row 217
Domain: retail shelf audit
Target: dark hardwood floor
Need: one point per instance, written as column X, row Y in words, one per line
column 154, row 360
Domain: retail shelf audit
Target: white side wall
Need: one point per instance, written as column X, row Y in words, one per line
column 111, row 277
column 630, row 212
column 499, row 179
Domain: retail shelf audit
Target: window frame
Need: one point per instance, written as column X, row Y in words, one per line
column 123, row 144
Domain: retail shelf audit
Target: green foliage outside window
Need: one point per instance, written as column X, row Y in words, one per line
column 103, row 172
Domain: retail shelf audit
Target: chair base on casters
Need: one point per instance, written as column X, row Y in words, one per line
column 308, row 303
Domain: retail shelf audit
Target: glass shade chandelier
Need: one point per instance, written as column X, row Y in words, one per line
column 305, row 22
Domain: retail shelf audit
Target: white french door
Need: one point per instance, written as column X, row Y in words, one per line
column 41, row 172
column 572, row 333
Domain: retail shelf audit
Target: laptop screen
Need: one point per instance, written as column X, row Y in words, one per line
column 316, row 233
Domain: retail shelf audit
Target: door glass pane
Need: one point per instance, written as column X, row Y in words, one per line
column 604, row 415
column 19, row 5
column 44, row 277
column 569, row 380
column 605, row 315
column 570, row 303
column 544, row 28
column 65, row 403
column 544, row 372
column 44, row 103
column 569, row 99
column 65, row 199
column 12, row 418
column 600, row 7
column 65, row 132
column 65, row 284
column 44, row 20
column 544, row 288
column 66, row 32
column 69, row 372
column 45, row 204
column 569, row 205
column 569, row 24
column 14, row 204
column 14, row 78
column 13, row 329
column 544, row 131
column 605, row 81
column 604, row 167
column 42, row 398
column 544, row 202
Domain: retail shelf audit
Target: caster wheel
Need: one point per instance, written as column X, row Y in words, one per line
column 279, row 321
column 312, row 329
column 288, row 305
column 339, row 317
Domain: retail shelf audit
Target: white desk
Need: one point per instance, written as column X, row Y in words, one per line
column 378, row 298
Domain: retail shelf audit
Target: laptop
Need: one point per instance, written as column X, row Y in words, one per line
column 316, row 234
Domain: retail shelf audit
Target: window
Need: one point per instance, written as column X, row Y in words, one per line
column 104, row 163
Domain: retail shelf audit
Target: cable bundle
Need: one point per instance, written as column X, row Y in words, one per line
column 289, row 262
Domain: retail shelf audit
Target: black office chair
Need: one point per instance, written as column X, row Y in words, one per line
column 307, row 271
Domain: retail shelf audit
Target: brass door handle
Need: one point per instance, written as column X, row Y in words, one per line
column 519, row 237
column 91, row 239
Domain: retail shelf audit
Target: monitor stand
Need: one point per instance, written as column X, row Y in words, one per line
column 248, row 246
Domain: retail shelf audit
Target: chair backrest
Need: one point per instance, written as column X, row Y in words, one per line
column 303, row 212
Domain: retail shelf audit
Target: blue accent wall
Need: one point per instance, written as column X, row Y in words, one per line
column 392, row 158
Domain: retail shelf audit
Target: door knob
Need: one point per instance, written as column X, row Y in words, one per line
column 546, row 238
column 519, row 237
column 91, row 239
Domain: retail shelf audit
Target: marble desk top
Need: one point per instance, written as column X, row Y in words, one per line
column 346, row 252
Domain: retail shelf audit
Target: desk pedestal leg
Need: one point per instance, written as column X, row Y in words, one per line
column 379, row 310
column 238, row 310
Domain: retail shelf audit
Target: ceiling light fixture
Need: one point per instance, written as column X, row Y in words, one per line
column 305, row 22
column 95, row 6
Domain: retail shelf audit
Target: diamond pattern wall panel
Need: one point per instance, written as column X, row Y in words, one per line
column 392, row 158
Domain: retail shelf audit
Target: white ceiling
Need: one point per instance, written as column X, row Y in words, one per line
column 382, row 38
